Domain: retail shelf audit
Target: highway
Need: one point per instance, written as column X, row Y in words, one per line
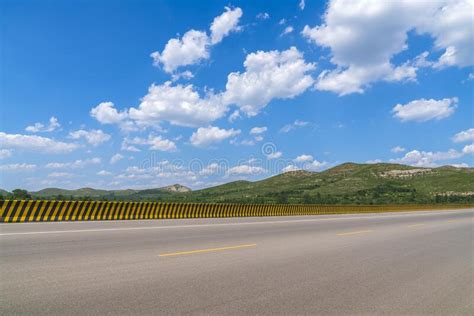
column 390, row 263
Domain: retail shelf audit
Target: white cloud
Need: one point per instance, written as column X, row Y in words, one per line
column 14, row 167
column 263, row 16
column 5, row 153
column 180, row 105
column 290, row 168
column 194, row 46
column 397, row 149
column 427, row 159
column 39, row 127
column 234, row 116
column 468, row 149
column 258, row 130
column 104, row 173
column 245, row 170
column 105, row 113
column 116, row 158
column 77, row 164
column 298, row 123
column 301, row 5
column 304, row 158
column 224, row 24
column 184, row 74
column 464, row 136
column 154, row 142
column 460, row 165
column 268, row 75
column 289, row 29
column 210, row 169
column 205, row 136
column 127, row 147
column 451, row 26
column 161, row 144
column 282, row 21
column 94, row 137
column 373, row 161
column 314, row 165
column 60, row 175
column 364, row 37
column 424, row 110
column 274, row 155
column 35, row 143
column 188, row 50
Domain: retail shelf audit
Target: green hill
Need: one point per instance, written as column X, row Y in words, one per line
column 348, row 183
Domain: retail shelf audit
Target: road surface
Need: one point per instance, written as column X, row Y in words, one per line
column 392, row 263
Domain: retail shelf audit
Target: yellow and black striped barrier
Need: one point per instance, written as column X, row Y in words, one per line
column 13, row 211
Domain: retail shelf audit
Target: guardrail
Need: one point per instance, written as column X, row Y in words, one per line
column 14, row 211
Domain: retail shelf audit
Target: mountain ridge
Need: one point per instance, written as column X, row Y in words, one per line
column 345, row 183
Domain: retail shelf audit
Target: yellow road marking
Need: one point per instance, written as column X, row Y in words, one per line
column 354, row 233
column 416, row 225
column 170, row 254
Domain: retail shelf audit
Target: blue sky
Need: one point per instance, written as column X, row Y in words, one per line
column 139, row 94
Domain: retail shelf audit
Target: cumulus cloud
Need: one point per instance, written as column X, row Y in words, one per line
column 39, row 127
column 154, row 142
column 104, row 173
column 258, row 130
column 274, row 155
column 60, row 175
column 464, row 136
column 296, row 124
column 179, row 104
column 424, row 110
column 363, row 37
column 194, row 46
column 94, row 137
column 188, row 50
column 289, row 29
column 210, row 169
column 35, row 143
column 205, row 136
column 77, row 164
column 304, row 158
column 314, row 165
column 301, row 5
column 263, row 16
column 427, row 159
column 468, row 149
column 5, row 153
column 268, row 75
column 225, row 23
column 234, row 116
column 245, row 170
column 451, row 26
column 290, row 168
column 16, row 167
column 116, row 158
column 106, row 113
column 397, row 149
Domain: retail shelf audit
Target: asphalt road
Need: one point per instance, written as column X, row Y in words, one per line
column 397, row 263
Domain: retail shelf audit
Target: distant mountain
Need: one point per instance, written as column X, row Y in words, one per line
column 111, row 194
column 176, row 188
column 348, row 183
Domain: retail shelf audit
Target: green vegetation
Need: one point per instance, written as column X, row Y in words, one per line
column 344, row 184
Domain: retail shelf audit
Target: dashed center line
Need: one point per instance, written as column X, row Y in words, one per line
column 416, row 225
column 354, row 233
column 171, row 254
